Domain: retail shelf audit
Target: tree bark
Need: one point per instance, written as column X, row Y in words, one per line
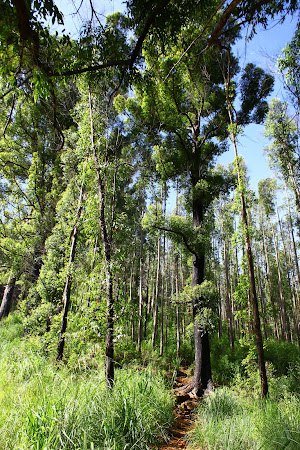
column 177, row 308
column 162, row 297
column 68, row 283
column 282, row 309
column 7, row 299
column 228, row 302
column 292, row 235
column 202, row 379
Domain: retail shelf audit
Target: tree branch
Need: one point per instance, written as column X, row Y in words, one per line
column 151, row 19
column 223, row 21
column 180, row 233
column 121, row 62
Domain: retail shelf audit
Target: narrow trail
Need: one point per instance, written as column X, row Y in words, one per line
column 183, row 412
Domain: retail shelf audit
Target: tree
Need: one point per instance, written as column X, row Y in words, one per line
column 283, row 152
column 186, row 115
column 28, row 57
column 255, row 87
column 289, row 65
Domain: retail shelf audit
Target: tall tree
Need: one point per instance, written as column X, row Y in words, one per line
column 185, row 114
column 255, row 87
column 283, row 152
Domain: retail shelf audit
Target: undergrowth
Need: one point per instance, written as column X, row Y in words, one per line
column 226, row 420
column 235, row 417
column 49, row 407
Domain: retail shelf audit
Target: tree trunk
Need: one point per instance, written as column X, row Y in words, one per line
column 109, row 349
column 66, row 298
column 7, row 299
column 292, row 236
column 155, row 306
column 268, row 275
column 68, row 283
column 282, row 309
column 290, row 286
column 202, row 375
column 177, row 308
column 162, row 299
column 228, row 302
column 140, row 326
column 92, row 269
column 256, row 319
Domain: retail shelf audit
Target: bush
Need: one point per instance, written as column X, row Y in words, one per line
column 283, row 355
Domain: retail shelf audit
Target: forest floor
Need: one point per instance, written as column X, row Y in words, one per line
column 183, row 414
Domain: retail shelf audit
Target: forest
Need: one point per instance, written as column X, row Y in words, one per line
column 150, row 296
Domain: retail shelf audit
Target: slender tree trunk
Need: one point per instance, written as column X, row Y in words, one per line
column 92, row 268
column 155, row 306
column 147, row 302
column 183, row 305
column 68, row 283
column 268, row 275
column 292, row 294
column 177, row 287
column 295, row 303
column 202, row 375
column 177, row 308
column 7, row 299
column 162, row 297
column 256, row 319
column 140, row 326
column 109, row 349
column 66, row 298
column 282, row 310
column 228, row 302
column 292, row 236
column 262, row 301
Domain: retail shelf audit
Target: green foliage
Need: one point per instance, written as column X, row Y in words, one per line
column 284, row 356
column 238, row 366
column 207, row 298
column 255, row 86
column 227, row 421
column 283, row 133
column 266, row 191
column 225, row 361
column 289, row 64
column 43, row 406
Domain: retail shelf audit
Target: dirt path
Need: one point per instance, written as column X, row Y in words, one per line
column 183, row 412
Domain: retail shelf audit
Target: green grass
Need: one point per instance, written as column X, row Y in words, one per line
column 234, row 417
column 226, row 420
column 45, row 407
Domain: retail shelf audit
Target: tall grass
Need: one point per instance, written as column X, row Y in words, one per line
column 228, row 421
column 44, row 407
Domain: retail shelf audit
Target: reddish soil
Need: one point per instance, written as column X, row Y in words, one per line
column 183, row 421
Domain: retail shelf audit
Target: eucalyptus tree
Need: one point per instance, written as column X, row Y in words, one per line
column 184, row 112
column 226, row 221
column 288, row 64
column 31, row 172
column 283, row 151
column 30, row 54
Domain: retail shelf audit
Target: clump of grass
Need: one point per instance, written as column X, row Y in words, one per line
column 47, row 407
column 228, row 421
